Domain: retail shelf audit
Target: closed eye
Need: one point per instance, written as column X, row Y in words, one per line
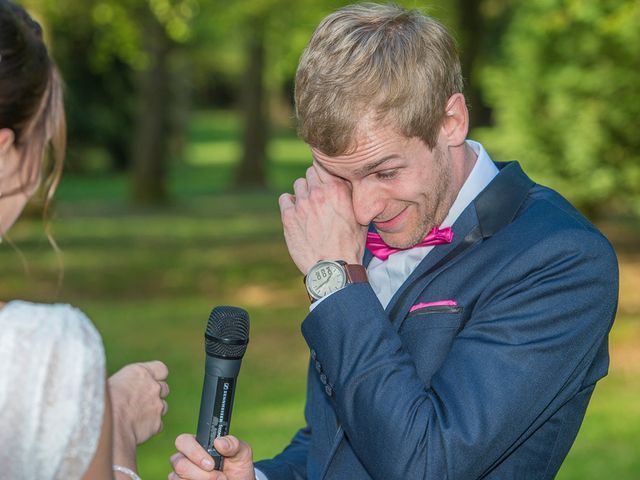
column 387, row 174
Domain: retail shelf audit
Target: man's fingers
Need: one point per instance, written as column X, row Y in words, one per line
column 183, row 469
column 322, row 174
column 313, row 179
column 301, row 188
column 286, row 200
column 193, row 451
column 227, row 446
column 230, row 446
column 158, row 370
column 192, row 462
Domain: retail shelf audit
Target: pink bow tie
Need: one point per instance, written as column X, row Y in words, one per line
column 381, row 250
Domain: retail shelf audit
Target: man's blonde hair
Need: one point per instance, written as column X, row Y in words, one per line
column 368, row 59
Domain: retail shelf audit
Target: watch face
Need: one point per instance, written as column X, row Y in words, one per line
column 324, row 278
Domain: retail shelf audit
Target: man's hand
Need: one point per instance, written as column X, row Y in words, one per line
column 192, row 462
column 318, row 220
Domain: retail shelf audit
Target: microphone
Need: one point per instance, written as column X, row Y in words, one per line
column 226, row 339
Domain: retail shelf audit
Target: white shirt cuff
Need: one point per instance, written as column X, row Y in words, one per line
column 318, row 302
column 260, row 475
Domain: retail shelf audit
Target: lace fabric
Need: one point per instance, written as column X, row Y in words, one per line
column 52, row 381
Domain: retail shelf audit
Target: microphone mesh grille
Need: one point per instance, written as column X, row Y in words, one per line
column 227, row 332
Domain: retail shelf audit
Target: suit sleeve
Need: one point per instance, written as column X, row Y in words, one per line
column 291, row 463
column 525, row 350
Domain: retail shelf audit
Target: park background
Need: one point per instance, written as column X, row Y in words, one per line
column 181, row 137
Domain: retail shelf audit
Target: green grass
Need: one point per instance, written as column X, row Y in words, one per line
column 608, row 444
column 149, row 277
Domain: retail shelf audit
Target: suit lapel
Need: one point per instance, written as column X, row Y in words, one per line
column 494, row 208
column 367, row 253
column 404, row 296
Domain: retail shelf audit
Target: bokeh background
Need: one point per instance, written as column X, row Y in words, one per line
column 181, row 137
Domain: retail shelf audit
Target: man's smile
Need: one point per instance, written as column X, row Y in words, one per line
column 393, row 223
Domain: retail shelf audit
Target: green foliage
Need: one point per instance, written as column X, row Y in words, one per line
column 111, row 28
column 100, row 47
column 566, row 94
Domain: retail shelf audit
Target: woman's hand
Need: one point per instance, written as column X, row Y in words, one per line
column 137, row 393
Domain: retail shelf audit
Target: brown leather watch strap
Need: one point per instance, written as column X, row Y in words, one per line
column 356, row 273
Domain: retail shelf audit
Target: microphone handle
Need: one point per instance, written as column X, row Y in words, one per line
column 216, row 403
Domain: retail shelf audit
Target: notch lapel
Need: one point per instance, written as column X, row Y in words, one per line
column 410, row 289
column 495, row 207
column 366, row 258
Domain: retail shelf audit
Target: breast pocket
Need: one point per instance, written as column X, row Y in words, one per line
column 427, row 335
column 434, row 316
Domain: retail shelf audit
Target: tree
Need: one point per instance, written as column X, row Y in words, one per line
column 119, row 58
column 565, row 96
column 100, row 114
column 261, row 42
column 252, row 169
column 150, row 147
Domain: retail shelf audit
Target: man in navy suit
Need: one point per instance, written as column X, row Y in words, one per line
column 460, row 312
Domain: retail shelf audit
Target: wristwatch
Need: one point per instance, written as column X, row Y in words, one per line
column 327, row 276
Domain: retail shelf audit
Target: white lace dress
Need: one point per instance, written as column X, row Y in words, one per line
column 52, row 379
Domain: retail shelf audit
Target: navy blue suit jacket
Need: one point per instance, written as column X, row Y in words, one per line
column 495, row 387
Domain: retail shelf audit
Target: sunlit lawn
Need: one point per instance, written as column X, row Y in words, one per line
column 148, row 278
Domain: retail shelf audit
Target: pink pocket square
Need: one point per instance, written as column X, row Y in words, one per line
column 449, row 303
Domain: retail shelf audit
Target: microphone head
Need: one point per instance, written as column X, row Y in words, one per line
column 227, row 332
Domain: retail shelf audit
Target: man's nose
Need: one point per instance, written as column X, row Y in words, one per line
column 367, row 203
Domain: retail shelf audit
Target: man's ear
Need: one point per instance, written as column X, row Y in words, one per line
column 7, row 139
column 455, row 125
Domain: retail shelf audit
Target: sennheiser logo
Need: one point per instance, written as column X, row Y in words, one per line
column 223, row 406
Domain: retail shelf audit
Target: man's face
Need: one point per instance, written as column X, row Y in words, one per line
column 397, row 183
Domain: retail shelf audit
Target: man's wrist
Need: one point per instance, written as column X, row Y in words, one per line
column 313, row 305
column 329, row 276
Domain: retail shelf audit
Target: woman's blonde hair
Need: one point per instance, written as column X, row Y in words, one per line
column 398, row 65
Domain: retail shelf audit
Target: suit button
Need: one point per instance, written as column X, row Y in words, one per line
column 313, row 354
column 323, row 378
column 318, row 367
column 328, row 390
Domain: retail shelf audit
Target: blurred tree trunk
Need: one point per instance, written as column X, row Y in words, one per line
column 150, row 144
column 252, row 169
column 472, row 41
column 181, row 93
column 119, row 153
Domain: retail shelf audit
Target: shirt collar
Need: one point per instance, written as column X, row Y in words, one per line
column 481, row 175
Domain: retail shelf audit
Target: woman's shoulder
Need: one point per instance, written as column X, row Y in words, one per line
column 50, row 352
column 31, row 308
column 48, row 322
